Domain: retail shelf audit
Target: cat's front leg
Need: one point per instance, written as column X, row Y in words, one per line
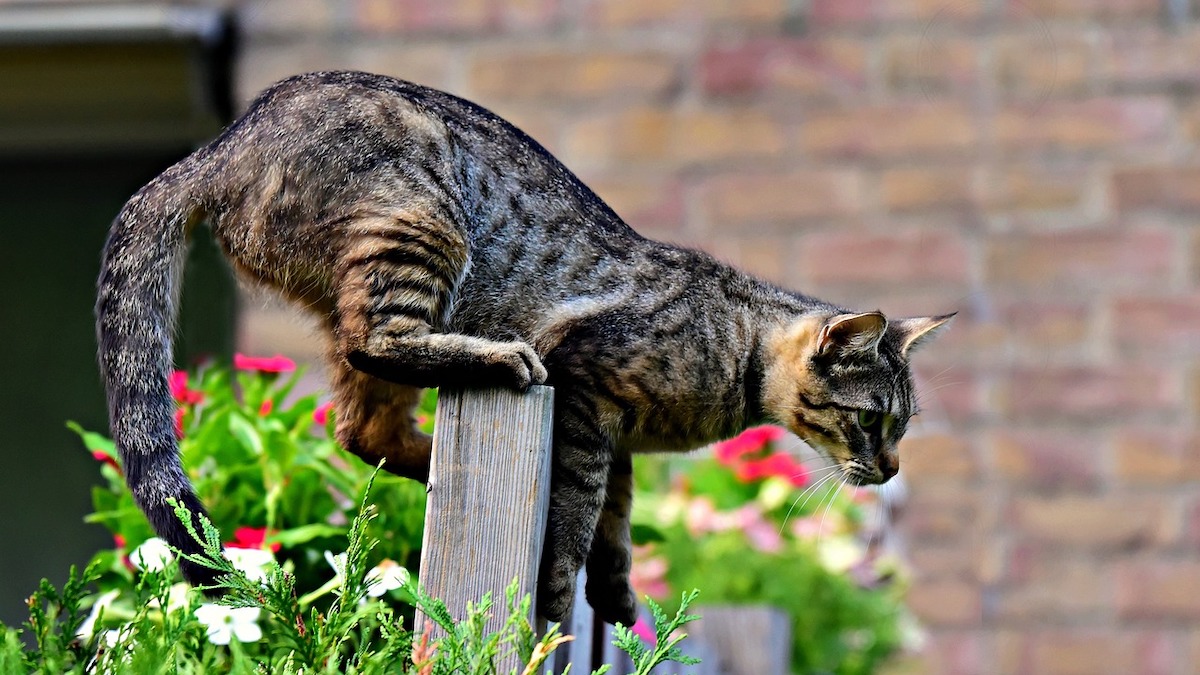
column 579, row 477
column 610, row 560
column 395, row 283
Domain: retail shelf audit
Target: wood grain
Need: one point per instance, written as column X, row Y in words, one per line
column 489, row 490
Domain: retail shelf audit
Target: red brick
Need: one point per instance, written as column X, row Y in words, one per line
column 1035, row 64
column 1159, row 589
column 760, row 255
column 570, row 76
column 954, row 394
column 1158, row 325
column 645, row 202
column 1095, row 124
column 930, row 65
column 1106, row 523
column 767, row 197
column 1032, row 187
column 1047, row 325
column 1059, row 590
column 454, row 16
column 1078, row 9
column 1079, row 651
column 937, row 456
column 942, row 511
column 924, row 12
column 1090, row 395
column 916, row 255
column 915, row 190
column 631, row 13
column 683, row 137
column 901, row 131
column 1157, row 457
column 1083, row 258
column 1048, row 459
column 945, row 560
column 945, row 603
column 816, row 67
column 1151, row 57
column 1160, row 188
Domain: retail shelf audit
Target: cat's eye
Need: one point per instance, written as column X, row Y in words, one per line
column 868, row 418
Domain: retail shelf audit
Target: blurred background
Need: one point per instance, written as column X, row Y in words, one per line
column 1029, row 163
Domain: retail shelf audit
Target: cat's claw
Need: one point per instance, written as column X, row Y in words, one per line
column 523, row 363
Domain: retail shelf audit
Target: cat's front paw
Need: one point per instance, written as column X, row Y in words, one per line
column 614, row 602
column 523, row 366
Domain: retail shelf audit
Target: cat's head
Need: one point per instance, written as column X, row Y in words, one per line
column 842, row 383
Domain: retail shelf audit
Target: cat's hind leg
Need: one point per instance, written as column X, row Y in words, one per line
column 610, row 559
column 395, row 284
column 579, row 476
column 374, row 421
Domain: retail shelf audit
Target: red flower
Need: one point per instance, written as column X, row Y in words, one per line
column 321, row 414
column 265, row 408
column 179, row 414
column 748, row 442
column 102, row 456
column 179, row 389
column 118, row 541
column 779, row 464
column 251, row 537
column 267, row 364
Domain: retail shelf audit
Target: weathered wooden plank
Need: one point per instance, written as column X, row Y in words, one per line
column 745, row 640
column 578, row 652
column 489, row 490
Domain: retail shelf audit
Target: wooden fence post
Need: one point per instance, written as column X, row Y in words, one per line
column 489, row 490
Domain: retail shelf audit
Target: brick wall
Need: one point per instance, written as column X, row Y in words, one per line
column 1029, row 163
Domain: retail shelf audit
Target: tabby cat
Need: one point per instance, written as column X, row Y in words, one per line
column 441, row 246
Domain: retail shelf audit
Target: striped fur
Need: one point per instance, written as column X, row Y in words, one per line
column 441, row 246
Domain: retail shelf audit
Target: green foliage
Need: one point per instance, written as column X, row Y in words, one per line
column 750, row 526
column 667, row 637
column 273, row 475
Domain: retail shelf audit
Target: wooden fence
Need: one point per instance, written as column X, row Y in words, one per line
column 489, row 489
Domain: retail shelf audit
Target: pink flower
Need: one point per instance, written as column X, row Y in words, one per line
column 648, row 576
column 267, row 364
column 701, row 516
column 762, row 535
column 643, row 630
column 179, row 389
column 321, row 414
column 251, row 537
column 118, row 541
column 748, row 442
column 266, row 408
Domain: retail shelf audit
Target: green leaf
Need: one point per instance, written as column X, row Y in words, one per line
column 246, row 434
column 305, row 533
column 94, row 441
column 643, row 534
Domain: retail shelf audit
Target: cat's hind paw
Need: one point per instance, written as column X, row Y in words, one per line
column 615, row 603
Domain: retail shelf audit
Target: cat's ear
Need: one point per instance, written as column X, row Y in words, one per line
column 919, row 330
column 847, row 334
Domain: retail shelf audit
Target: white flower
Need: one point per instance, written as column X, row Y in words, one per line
column 384, row 577
column 151, row 555
column 338, row 563
column 177, row 597
column 255, row 563
column 839, row 554
column 226, row 623
column 89, row 624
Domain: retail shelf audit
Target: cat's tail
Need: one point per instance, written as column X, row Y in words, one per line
column 136, row 310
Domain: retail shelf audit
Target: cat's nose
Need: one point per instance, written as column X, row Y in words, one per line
column 889, row 463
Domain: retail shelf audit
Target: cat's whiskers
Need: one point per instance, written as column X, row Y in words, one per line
column 810, row 491
column 833, row 495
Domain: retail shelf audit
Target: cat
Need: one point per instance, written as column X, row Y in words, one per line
column 440, row 246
